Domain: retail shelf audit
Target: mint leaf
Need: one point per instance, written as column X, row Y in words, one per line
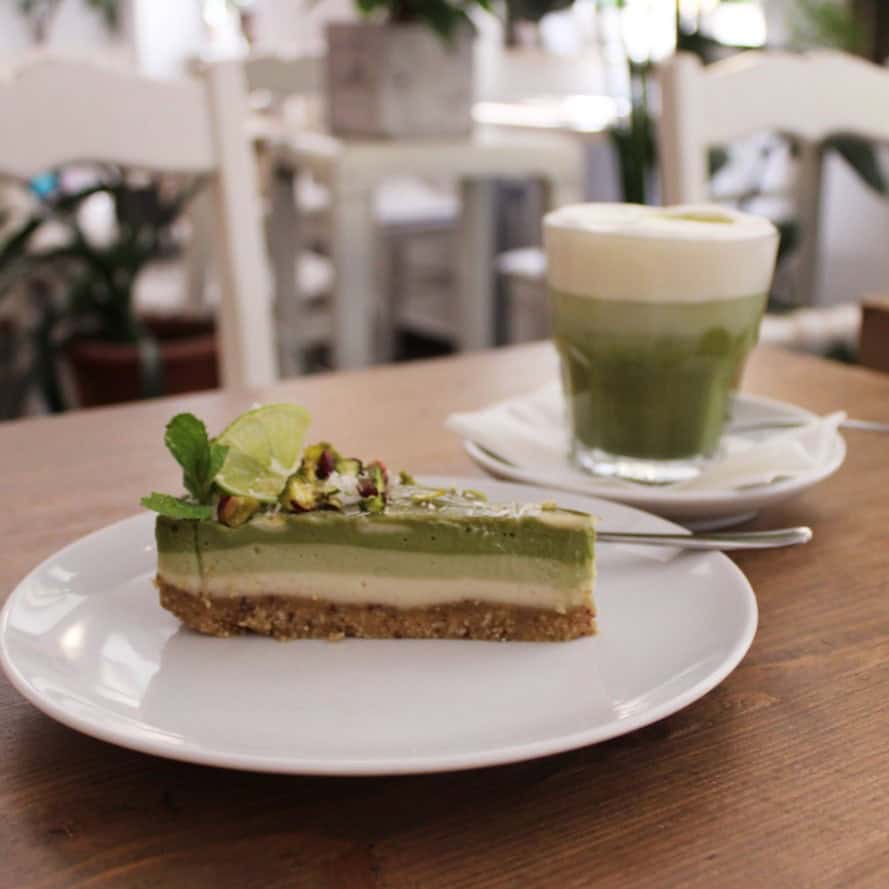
column 175, row 508
column 218, row 453
column 186, row 437
column 187, row 440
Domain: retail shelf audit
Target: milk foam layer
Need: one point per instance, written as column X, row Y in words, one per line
column 691, row 253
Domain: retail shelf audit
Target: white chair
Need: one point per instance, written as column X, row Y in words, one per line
column 810, row 96
column 302, row 278
column 416, row 219
column 58, row 111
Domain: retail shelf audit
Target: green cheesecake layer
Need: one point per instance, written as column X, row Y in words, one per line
column 549, row 549
column 472, row 536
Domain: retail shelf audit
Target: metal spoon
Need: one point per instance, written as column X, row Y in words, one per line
column 722, row 541
column 861, row 425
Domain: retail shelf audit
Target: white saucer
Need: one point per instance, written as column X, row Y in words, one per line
column 696, row 508
column 84, row 639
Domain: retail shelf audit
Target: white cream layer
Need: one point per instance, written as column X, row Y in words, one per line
column 397, row 592
column 692, row 253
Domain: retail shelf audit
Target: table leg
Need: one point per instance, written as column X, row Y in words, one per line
column 561, row 193
column 475, row 316
column 355, row 277
column 284, row 251
column 198, row 252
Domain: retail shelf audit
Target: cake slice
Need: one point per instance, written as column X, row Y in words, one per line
column 346, row 551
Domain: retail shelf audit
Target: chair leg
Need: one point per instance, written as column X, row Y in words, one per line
column 476, row 297
column 355, row 286
column 199, row 251
column 390, row 273
column 284, row 252
column 809, row 183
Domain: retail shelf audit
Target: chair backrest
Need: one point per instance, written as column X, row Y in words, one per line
column 285, row 76
column 59, row 111
column 810, row 96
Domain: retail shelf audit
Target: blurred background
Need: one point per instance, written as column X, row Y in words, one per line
column 109, row 273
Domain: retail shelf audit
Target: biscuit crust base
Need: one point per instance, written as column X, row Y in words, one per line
column 290, row 617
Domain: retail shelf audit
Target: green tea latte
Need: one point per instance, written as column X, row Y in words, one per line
column 654, row 311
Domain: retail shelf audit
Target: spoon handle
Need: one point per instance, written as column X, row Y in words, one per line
column 865, row 425
column 848, row 423
column 722, row 541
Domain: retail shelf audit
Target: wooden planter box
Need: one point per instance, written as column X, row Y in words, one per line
column 398, row 82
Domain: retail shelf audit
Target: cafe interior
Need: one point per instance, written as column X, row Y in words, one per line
column 602, row 283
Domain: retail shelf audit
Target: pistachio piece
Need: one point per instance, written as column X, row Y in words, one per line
column 326, row 463
column 374, row 504
column 236, row 511
column 299, row 495
column 380, row 466
column 333, row 501
column 349, row 466
column 372, row 487
column 405, row 478
column 367, row 487
column 472, row 494
column 319, row 460
column 430, row 495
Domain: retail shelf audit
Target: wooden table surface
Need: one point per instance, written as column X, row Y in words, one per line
column 779, row 777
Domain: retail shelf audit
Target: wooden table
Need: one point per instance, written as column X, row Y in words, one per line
column 778, row 778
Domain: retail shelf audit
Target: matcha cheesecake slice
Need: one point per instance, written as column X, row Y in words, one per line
column 346, row 551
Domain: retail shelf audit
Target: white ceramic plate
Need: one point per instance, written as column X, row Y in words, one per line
column 695, row 508
column 83, row 638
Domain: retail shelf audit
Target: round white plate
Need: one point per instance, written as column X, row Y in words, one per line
column 696, row 508
column 84, row 639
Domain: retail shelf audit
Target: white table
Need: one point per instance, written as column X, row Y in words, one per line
column 353, row 170
column 580, row 116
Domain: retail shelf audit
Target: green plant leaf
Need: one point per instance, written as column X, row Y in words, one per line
column 218, row 454
column 176, row 508
column 825, row 23
column 861, row 156
column 535, row 10
column 717, row 158
column 186, row 439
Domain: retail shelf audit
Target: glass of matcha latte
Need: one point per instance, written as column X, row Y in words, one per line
column 654, row 311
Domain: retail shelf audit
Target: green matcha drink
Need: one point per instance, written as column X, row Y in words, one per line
column 654, row 312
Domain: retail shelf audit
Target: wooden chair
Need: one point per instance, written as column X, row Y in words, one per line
column 57, row 111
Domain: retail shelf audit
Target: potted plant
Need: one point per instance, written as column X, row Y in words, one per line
column 40, row 15
column 404, row 72
column 82, row 288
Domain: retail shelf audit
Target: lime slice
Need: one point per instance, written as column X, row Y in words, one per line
column 264, row 447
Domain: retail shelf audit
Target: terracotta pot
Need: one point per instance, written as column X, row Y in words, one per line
column 108, row 373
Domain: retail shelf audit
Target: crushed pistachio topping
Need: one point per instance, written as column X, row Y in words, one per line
column 325, row 479
column 236, row 511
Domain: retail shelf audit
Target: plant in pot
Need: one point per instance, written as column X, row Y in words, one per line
column 406, row 71
column 41, row 14
column 81, row 288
